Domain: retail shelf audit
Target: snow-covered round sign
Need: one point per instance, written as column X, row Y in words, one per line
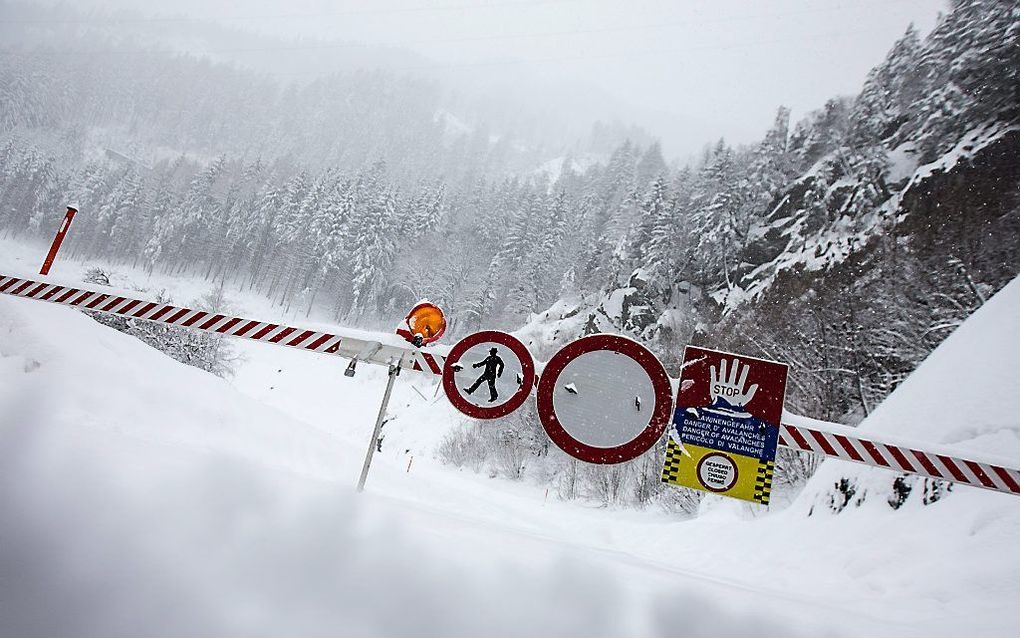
column 488, row 374
column 604, row 399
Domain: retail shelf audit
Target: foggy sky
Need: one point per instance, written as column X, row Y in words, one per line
column 688, row 71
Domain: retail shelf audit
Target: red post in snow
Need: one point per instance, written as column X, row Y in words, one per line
column 58, row 240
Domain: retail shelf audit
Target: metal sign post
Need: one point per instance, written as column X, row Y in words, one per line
column 379, row 420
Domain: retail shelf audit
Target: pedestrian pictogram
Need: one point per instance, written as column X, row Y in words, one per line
column 726, row 424
column 488, row 374
column 604, row 399
column 493, row 369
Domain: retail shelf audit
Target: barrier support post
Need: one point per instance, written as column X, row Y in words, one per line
column 59, row 239
column 379, row 420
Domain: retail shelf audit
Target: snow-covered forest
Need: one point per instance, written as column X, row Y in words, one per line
column 849, row 243
column 324, row 166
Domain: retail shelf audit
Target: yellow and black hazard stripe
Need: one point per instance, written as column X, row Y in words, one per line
column 763, row 482
column 671, row 468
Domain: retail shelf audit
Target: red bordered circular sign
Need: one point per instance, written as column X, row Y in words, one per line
column 604, row 399
column 488, row 374
column 717, row 472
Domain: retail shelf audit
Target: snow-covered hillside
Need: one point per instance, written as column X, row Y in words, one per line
column 811, row 246
column 143, row 497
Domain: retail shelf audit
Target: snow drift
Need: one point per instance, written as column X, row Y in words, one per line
column 143, row 497
column 962, row 398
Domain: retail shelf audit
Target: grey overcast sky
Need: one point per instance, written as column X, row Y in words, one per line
column 689, row 71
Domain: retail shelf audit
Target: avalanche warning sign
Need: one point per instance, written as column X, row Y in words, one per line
column 726, row 424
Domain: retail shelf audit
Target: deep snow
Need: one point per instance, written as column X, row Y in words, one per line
column 144, row 497
column 961, row 399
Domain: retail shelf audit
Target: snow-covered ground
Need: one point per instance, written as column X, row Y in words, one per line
column 143, row 497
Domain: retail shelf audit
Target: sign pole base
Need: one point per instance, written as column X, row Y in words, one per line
column 379, row 420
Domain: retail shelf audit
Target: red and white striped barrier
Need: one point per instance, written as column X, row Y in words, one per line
column 279, row 334
column 838, row 445
column 901, row 458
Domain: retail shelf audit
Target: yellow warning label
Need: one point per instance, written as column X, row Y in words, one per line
column 726, row 473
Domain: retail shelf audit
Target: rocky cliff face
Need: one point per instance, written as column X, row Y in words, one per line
column 962, row 206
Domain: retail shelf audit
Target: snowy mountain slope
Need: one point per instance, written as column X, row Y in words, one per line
column 143, row 493
column 354, row 94
column 962, row 395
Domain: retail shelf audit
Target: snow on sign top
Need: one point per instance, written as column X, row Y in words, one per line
column 488, row 374
column 604, row 399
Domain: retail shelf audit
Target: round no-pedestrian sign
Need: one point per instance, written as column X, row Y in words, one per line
column 488, row 374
